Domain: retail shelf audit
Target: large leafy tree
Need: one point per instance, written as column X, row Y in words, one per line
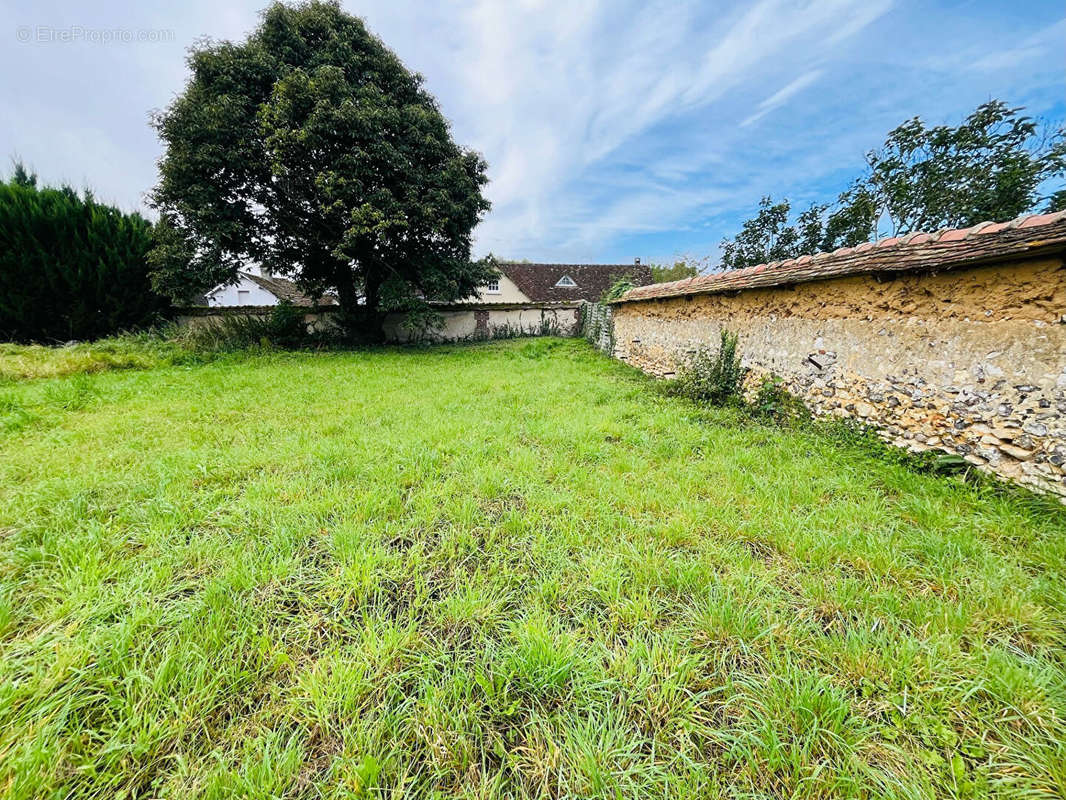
column 992, row 166
column 311, row 149
column 70, row 267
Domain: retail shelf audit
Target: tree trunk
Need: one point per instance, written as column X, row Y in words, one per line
column 373, row 319
column 361, row 321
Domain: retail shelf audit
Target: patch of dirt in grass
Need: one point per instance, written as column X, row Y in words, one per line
column 495, row 509
column 426, row 537
column 764, row 551
column 322, row 748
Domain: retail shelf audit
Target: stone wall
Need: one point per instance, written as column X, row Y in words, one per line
column 489, row 321
column 968, row 361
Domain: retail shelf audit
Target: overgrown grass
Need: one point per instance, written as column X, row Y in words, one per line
column 128, row 351
column 502, row 570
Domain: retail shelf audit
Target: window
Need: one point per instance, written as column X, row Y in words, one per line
column 493, row 286
column 566, row 282
column 244, row 297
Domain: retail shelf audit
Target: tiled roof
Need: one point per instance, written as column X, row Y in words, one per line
column 537, row 281
column 284, row 289
column 951, row 249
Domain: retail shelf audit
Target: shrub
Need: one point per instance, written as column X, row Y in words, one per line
column 773, row 401
column 618, row 288
column 70, row 268
column 421, row 322
column 713, row 377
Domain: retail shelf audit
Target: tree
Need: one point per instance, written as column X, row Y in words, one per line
column 764, row 238
column 311, row 149
column 679, row 270
column 70, row 268
column 990, row 167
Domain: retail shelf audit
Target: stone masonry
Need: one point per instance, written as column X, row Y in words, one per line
column 969, row 361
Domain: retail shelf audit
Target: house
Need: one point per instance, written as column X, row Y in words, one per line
column 256, row 287
column 522, row 282
column 519, row 283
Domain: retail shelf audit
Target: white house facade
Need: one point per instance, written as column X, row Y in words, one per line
column 501, row 290
column 245, row 292
column 255, row 287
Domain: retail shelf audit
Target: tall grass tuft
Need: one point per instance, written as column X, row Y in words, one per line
column 283, row 327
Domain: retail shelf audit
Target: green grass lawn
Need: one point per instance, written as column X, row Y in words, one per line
column 502, row 570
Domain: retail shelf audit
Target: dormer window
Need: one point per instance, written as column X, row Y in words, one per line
column 493, row 286
column 565, row 282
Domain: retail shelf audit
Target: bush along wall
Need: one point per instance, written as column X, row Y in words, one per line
column 70, row 267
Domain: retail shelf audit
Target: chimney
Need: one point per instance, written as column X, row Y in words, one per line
column 636, row 261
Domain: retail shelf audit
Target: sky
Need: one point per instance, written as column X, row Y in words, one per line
column 613, row 130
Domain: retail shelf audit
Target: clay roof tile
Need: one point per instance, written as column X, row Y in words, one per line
column 1037, row 219
column 952, row 236
column 994, row 228
column 285, row 290
column 539, row 282
column 981, row 243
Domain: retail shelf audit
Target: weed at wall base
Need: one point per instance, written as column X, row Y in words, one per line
column 772, row 401
column 713, row 377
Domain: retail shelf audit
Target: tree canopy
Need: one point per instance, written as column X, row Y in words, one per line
column 311, row 149
column 992, row 166
column 680, row 269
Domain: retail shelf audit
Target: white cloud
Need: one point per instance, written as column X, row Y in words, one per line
column 783, row 95
column 1047, row 43
column 601, row 119
column 554, row 91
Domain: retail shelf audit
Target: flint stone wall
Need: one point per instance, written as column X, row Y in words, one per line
column 969, row 361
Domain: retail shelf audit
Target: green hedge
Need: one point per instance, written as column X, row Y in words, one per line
column 70, row 268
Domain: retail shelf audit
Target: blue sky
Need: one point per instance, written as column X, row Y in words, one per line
column 613, row 129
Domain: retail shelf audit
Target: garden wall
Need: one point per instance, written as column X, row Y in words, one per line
column 971, row 361
column 466, row 322
column 461, row 322
column 201, row 316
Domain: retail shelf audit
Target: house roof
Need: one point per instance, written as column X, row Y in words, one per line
column 1024, row 237
column 284, row 289
column 538, row 281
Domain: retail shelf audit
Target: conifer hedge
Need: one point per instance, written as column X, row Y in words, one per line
column 70, row 267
